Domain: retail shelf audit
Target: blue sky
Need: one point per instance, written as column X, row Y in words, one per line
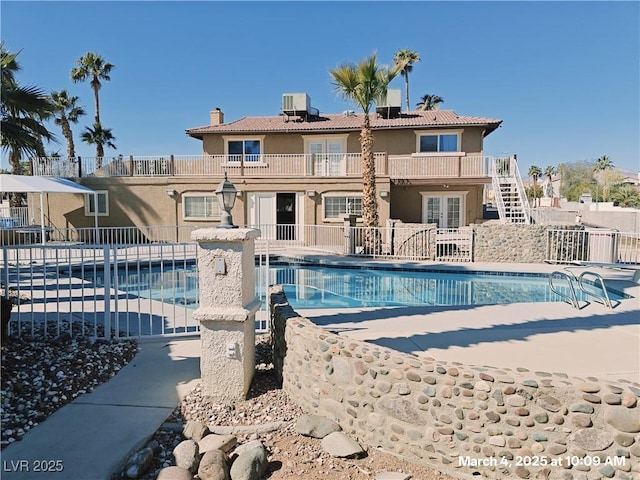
column 563, row 76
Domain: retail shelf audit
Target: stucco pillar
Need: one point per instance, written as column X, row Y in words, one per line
column 227, row 310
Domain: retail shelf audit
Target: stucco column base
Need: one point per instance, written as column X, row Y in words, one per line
column 226, row 266
column 228, row 338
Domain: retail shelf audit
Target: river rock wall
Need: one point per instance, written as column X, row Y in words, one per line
column 466, row 419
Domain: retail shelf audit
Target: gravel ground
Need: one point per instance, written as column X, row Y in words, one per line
column 41, row 373
column 292, row 456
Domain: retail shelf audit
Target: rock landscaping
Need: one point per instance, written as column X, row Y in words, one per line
column 41, row 372
column 265, row 436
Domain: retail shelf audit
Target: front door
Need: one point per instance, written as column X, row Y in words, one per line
column 277, row 215
column 285, row 216
column 444, row 210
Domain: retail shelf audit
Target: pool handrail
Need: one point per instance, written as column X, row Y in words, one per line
column 571, row 299
column 604, row 299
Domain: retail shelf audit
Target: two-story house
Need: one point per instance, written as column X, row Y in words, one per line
column 305, row 167
column 297, row 167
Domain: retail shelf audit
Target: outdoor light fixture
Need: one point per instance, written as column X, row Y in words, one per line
column 311, row 193
column 226, row 193
column 384, row 193
column 171, row 192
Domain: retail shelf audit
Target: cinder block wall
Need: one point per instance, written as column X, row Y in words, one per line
column 467, row 419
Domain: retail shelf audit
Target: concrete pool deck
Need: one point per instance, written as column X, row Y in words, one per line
column 590, row 342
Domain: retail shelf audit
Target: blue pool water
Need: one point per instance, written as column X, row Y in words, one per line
column 323, row 287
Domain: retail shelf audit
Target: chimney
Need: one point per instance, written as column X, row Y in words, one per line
column 217, row 117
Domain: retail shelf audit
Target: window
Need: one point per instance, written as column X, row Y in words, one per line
column 103, row 204
column 446, row 142
column 338, row 207
column 200, row 207
column 246, row 150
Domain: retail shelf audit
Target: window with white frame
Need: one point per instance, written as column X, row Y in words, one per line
column 336, row 207
column 102, row 198
column 200, row 207
column 245, row 149
column 440, row 142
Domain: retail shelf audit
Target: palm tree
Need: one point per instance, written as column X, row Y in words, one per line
column 429, row 102
column 93, row 66
column 549, row 172
column 100, row 137
column 363, row 84
column 627, row 196
column 66, row 111
column 535, row 173
column 403, row 61
column 23, row 110
column 603, row 164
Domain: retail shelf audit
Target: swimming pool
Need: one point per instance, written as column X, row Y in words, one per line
column 312, row 286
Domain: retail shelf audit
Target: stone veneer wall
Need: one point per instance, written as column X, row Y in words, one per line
column 465, row 419
column 507, row 243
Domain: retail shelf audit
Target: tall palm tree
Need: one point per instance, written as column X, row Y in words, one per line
column 535, row 173
column 100, row 137
column 603, row 164
column 23, row 110
column 549, row 172
column 92, row 66
column 362, row 84
column 429, row 102
column 403, row 61
column 66, row 112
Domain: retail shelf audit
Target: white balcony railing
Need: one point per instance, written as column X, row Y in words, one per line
column 266, row 165
column 255, row 165
column 439, row 166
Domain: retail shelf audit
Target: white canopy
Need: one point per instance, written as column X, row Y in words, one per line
column 29, row 184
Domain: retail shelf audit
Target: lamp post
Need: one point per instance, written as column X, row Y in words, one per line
column 226, row 193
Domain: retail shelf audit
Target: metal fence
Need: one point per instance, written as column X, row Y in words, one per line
column 592, row 245
column 139, row 285
column 11, row 217
column 454, row 244
column 103, row 291
column 408, row 241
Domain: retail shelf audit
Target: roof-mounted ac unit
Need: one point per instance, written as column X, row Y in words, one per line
column 298, row 105
column 389, row 106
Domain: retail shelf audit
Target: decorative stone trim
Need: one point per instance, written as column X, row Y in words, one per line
column 466, row 419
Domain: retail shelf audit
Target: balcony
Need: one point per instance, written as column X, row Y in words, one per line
column 413, row 166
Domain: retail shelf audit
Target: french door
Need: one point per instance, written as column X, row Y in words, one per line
column 329, row 157
column 447, row 211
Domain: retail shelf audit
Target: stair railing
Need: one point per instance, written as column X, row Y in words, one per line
column 515, row 172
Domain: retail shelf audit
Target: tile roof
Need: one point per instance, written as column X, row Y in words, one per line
column 341, row 122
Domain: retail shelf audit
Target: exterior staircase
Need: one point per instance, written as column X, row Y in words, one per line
column 511, row 198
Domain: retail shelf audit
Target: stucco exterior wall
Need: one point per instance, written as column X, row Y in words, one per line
column 464, row 419
column 393, row 141
column 406, row 200
column 143, row 201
